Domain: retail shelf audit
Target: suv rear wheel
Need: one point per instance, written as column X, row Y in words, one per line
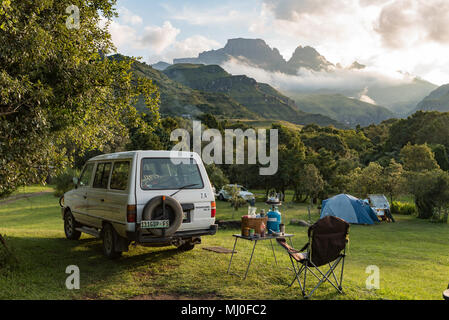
column 69, row 227
column 109, row 240
column 186, row 246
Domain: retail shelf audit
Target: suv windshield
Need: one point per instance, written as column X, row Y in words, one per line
column 163, row 173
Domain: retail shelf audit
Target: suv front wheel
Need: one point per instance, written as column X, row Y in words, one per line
column 70, row 227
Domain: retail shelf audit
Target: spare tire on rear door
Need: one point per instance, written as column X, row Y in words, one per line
column 163, row 208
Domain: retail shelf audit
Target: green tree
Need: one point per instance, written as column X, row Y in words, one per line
column 216, row 176
column 291, row 154
column 234, row 198
column 393, row 179
column 367, row 180
column 430, row 189
column 311, row 183
column 418, row 158
column 59, row 94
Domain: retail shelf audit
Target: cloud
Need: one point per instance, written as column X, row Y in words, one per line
column 223, row 15
column 339, row 80
column 294, row 10
column 122, row 35
column 159, row 38
column 404, row 23
column 128, row 17
column 153, row 38
column 189, row 47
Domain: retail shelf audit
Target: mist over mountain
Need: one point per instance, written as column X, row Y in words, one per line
column 189, row 91
column 307, row 71
column 258, row 98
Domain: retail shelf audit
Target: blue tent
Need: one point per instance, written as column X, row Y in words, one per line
column 348, row 208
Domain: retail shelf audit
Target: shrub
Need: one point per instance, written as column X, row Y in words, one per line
column 64, row 181
column 404, row 208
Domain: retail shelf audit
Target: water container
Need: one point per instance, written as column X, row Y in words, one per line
column 274, row 220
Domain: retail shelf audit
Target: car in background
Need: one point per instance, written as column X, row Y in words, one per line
column 223, row 195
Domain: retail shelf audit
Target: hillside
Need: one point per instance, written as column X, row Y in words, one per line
column 348, row 111
column 437, row 100
column 259, row 98
column 180, row 100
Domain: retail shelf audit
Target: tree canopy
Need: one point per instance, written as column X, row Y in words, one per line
column 59, row 94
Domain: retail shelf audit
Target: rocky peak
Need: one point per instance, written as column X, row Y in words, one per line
column 357, row 66
column 254, row 50
column 308, row 57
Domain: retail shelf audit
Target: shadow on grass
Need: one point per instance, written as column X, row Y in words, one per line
column 44, row 261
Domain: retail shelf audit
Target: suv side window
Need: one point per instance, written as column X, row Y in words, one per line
column 86, row 176
column 102, row 175
column 119, row 177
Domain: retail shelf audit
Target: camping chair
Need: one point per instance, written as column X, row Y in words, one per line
column 327, row 246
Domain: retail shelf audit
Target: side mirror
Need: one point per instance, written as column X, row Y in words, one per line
column 75, row 181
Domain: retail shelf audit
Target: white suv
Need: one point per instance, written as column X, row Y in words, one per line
column 149, row 197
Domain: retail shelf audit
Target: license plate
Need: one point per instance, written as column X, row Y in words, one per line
column 155, row 224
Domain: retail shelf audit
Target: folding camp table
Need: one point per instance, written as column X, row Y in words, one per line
column 255, row 240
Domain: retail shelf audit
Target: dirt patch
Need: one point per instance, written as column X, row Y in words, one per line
column 23, row 196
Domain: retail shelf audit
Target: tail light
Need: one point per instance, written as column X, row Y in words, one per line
column 131, row 211
column 213, row 209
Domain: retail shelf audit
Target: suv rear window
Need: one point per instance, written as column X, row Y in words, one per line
column 119, row 176
column 164, row 174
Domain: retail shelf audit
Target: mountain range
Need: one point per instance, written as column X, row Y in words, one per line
column 188, row 91
column 399, row 97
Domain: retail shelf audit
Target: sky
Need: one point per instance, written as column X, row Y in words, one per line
column 410, row 36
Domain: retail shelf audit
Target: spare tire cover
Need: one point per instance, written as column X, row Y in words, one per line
column 173, row 213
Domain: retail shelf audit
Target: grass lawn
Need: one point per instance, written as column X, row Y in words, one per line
column 412, row 256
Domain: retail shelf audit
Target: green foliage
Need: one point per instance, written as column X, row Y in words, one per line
column 404, row 208
column 441, row 156
column 420, row 128
column 64, row 181
column 59, row 95
column 418, row 158
column 235, row 199
column 367, row 180
column 393, row 179
column 430, row 189
column 311, row 183
column 216, row 176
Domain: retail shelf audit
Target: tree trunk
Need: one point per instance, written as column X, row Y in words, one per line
column 3, row 242
column 425, row 207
